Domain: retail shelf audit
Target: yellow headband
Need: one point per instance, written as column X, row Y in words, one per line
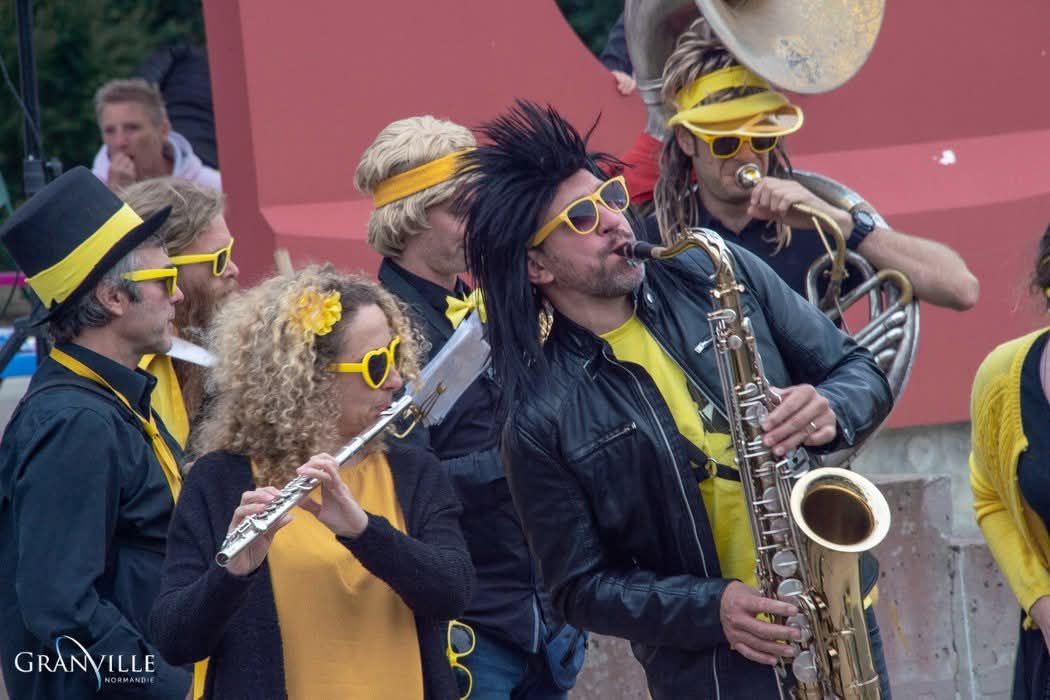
column 724, row 117
column 56, row 283
column 417, row 179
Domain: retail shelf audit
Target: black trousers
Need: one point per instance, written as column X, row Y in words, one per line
column 1032, row 667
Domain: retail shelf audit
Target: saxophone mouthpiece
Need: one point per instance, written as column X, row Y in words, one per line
column 747, row 176
column 638, row 250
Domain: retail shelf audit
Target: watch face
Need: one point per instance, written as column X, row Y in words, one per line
column 863, row 220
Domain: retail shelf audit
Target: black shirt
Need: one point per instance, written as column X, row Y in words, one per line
column 509, row 601
column 1033, row 466
column 471, row 424
column 791, row 263
column 84, row 511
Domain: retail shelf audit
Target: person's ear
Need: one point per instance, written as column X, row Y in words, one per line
column 112, row 298
column 686, row 141
column 539, row 273
column 165, row 129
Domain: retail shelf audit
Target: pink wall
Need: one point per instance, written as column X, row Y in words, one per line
column 302, row 88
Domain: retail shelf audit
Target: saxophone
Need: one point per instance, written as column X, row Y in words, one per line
column 809, row 525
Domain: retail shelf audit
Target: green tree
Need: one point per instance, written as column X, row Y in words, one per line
column 80, row 44
column 592, row 20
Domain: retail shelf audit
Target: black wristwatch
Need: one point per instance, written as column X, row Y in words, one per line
column 863, row 224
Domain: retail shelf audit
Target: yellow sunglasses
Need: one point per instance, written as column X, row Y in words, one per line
column 582, row 215
column 170, row 275
column 461, row 642
column 375, row 366
column 219, row 259
column 725, row 147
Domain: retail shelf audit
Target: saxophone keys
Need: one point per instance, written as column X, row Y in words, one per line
column 805, row 667
column 789, row 590
column 801, row 623
column 785, row 563
column 770, row 499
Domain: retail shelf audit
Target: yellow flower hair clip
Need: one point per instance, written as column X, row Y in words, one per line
column 315, row 313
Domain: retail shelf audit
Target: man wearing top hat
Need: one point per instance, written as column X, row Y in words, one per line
column 88, row 474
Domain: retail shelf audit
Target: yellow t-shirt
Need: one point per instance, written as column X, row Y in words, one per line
column 345, row 633
column 723, row 498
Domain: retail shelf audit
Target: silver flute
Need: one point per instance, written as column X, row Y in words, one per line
column 300, row 487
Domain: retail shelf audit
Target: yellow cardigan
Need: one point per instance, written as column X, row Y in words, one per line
column 1016, row 535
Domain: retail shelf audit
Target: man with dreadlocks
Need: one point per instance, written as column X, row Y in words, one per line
column 615, row 424
column 726, row 117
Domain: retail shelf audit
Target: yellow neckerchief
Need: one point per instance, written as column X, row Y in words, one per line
column 331, row 608
column 458, row 309
column 160, row 448
column 167, row 399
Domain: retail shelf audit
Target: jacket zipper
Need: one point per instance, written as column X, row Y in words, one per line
column 681, row 490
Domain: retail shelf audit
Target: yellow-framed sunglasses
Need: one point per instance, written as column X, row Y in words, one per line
column 725, row 147
column 375, row 366
column 219, row 260
column 461, row 642
column 582, row 215
column 169, row 275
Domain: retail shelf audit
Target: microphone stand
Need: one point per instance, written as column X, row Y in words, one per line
column 35, row 175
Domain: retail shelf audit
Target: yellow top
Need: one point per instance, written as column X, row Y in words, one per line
column 723, row 498
column 167, row 396
column 1016, row 535
column 345, row 633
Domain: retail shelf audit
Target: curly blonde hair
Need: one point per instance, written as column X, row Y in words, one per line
column 274, row 399
column 401, row 146
column 697, row 52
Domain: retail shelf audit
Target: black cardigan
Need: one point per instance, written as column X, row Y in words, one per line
column 204, row 611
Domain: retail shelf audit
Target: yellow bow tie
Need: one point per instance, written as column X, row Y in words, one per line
column 459, row 309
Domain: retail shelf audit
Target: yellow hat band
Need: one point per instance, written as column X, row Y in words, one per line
column 417, row 179
column 711, row 83
column 735, row 116
column 56, row 283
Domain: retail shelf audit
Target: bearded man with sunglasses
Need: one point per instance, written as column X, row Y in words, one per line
column 201, row 247
column 617, row 450
column 726, row 117
column 523, row 649
column 88, row 475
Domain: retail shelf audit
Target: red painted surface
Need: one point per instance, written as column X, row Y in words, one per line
column 302, row 88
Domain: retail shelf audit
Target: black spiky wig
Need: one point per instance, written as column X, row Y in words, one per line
column 514, row 174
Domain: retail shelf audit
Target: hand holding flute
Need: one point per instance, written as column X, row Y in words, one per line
column 339, row 511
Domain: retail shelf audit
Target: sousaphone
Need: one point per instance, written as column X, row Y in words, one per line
column 806, row 47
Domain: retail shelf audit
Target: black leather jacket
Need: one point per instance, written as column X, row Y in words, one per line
column 608, row 501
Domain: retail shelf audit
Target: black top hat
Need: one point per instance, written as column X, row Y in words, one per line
column 67, row 236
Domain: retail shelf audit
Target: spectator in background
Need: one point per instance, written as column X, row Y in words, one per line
column 139, row 142
column 181, row 74
column 614, row 57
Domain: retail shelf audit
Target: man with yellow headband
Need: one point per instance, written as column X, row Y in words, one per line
column 88, row 475
column 523, row 650
column 725, row 116
column 201, row 247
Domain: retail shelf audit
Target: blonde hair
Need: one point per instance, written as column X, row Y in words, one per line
column 697, row 52
column 403, row 145
column 274, row 400
column 193, row 207
column 132, row 90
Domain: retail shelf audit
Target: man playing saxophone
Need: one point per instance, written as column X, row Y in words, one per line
column 617, row 449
